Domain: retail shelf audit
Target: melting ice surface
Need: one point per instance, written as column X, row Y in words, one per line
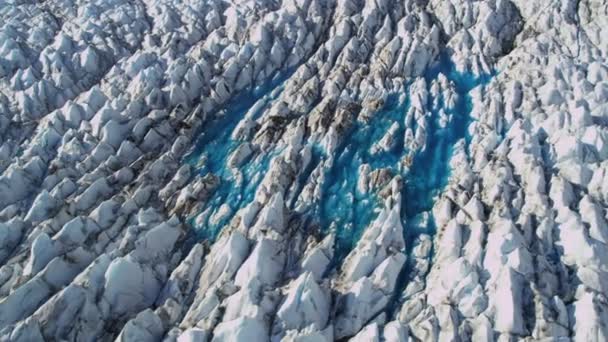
column 425, row 178
column 214, row 147
column 341, row 204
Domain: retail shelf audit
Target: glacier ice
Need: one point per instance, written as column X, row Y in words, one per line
column 303, row 170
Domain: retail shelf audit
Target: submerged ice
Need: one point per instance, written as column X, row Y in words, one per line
column 377, row 148
column 221, row 152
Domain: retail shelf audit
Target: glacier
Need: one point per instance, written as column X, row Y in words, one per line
column 303, row 170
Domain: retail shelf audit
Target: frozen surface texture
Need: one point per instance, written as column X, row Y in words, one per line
column 303, row 170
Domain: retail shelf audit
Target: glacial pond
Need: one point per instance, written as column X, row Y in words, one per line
column 341, row 204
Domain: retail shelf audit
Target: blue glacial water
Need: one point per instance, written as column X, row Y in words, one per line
column 430, row 169
column 215, row 145
column 427, row 175
column 341, row 204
